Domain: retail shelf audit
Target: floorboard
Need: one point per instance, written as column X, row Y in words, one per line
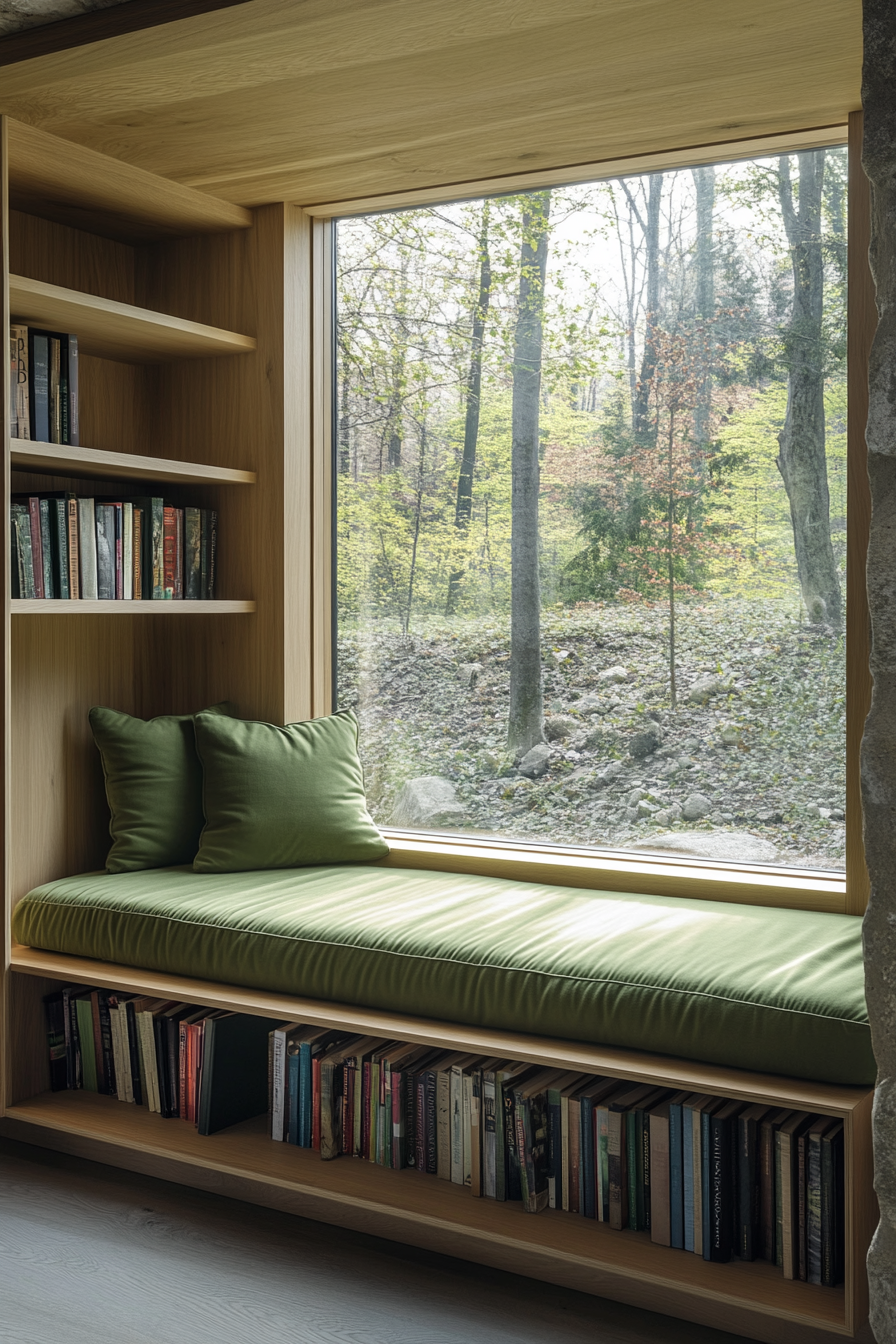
column 93, row 1255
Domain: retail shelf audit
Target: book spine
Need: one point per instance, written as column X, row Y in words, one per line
column 635, row 1214
column 117, row 1053
column 365, row 1144
column 603, row 1122
column 74, row 420
column 192, row 558
column 527, row 1187
column 212, row 552
column 169, row 554
column 59, row 528
column 789, row 1251
column 133, row 1054
column 466, row 1135
column 39, row 387
column 19, row 406
column 430, row 1125
column 182, row 1037
column 105, row 1016
column 72, row 1054
column 555, row 1164
column 55, row 353
column 687, row 1173
column 279, row 1079
column 178, row 555
column 16, row 580
column 420, row 1123
column 476, row 1177
column 87, row 548
column 118, row 515
column 348, row 1107
column 64, row 406
column 697, row 1123
column 456, row 1115
column 306, row 1097
column 720, row 1192
column 766, row 1159
column 813, row 1209
column 56, row 1042
column 443, row 1113
column 616, row 1170
column 157, row 543
column 500, row 1143
column 25, row 564
column 676, row 1177
column 37, row 559
column 329, row 1127
column 660, row 1227
column 398, row 1105
column 409, row 1088
column 46, row 548
column 586, row 1155
column 74, row 562
column 85, row 1036
column 137, row 593
column 513, row 1189
column 99, row 1062
column 293, row 1068
column 801, row 1262
column 160, row 1032
column 746, row 1177
column 488, row 1136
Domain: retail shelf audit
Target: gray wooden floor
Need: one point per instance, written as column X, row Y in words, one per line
column 93, row 1255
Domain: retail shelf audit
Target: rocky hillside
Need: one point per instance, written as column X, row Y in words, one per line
column 750, row 765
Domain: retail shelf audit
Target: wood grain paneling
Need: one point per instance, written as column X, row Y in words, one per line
column 338, row 99
column 862, row 326
column 61, row 459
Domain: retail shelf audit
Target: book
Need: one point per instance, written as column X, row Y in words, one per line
column 279, row 1109
column 87, row 549
column 53, row 1006
column 137, row 593
column 768, row 1128
column 693, row 1212
column 617, row 1173
column 54, row 345
column 785, row 1204
column 73, row 362
column 127, row 552
column 819, row 1127
column 331, row 1093
column 212, row 554
column 832, row 1219
column 489, row 1139
column 556, row 1175
column 588, row 1097
column 476, row 1134
column 46, row 548
column 722, row 1150
column 676, row 1170
column 532, row 1116
column 748, row 1177
column 19, row 405
column 169, row 554
column 192, row 554
column 37, row 559
column 74, row 548
column 660, row 1182
column 86, row 1040
column 105, row 551
column 178, row 555
column 24, row 567
column 59, row 546
column 39, row 384
column 233, row 1083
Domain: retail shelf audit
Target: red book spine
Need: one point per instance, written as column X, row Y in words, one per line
column 37, row 552
column 169, row 551
column 315, row 1104
column 179, row 554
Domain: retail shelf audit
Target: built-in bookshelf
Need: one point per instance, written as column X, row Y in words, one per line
column 197, row 381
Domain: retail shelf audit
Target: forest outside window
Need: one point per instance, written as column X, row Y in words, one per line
column 591, row 512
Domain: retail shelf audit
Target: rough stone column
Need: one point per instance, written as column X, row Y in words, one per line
column 879, row 744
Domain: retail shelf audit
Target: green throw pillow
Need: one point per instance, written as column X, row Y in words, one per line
column 153, row 787
column 282, row 797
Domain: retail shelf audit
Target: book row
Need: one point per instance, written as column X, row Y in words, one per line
column 43, row 404
column 64, row 546
column 719, row 1178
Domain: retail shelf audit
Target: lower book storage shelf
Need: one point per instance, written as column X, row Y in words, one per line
column 750, row 1298
column 422, row 1210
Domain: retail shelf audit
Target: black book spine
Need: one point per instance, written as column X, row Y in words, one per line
column 644, row 1125
column 59, row 547
column 106, row 1039
column 514, row 1188
column 431, row 1124
column 64, row 402
column 39, row 385
column 134, row 1054
column 161, row 1042
column 720, row 1200
column 746, row 1188
column 56, row 1042
column 173, row 1060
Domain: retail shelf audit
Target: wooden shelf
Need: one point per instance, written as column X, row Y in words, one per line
column 361, row 1191
column 62, row 460
column 662, row 1070
column 28, row 606
column 57, row 179
column 117, row 330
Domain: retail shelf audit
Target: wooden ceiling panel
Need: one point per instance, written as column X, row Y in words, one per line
column 334, row 99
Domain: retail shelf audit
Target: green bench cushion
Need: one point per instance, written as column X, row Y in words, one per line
column 780, row 991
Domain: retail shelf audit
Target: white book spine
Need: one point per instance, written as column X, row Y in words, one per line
column 457, row 1126
column 127, row 551
column 278, row 1108
column 87, row 548
column 467, row 1084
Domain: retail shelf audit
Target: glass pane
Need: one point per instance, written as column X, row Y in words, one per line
column 591, row 511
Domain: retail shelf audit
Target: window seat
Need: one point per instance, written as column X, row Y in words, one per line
column 777, row 991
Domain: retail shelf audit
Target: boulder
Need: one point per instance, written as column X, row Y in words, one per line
column 696, row 806
column 644, row 743
column 427, row 801
column 468, row 674
column 613, row 675
column 730, row 734
column 589, row 703
column 704, row 688
column 723, row 846
column 536, row 761
column 558, row 726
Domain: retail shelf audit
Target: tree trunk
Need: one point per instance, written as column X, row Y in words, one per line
column 705, row 304
column 526, row 720
column 801, row 460
column 393, row 428
column 651, row 227
column 463, row 508
column 418, row 513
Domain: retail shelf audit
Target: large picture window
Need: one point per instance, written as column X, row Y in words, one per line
column 591, row 511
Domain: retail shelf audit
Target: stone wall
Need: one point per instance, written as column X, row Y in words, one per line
column 879, row 745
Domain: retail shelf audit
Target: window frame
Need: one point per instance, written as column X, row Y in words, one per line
column 606, row 868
